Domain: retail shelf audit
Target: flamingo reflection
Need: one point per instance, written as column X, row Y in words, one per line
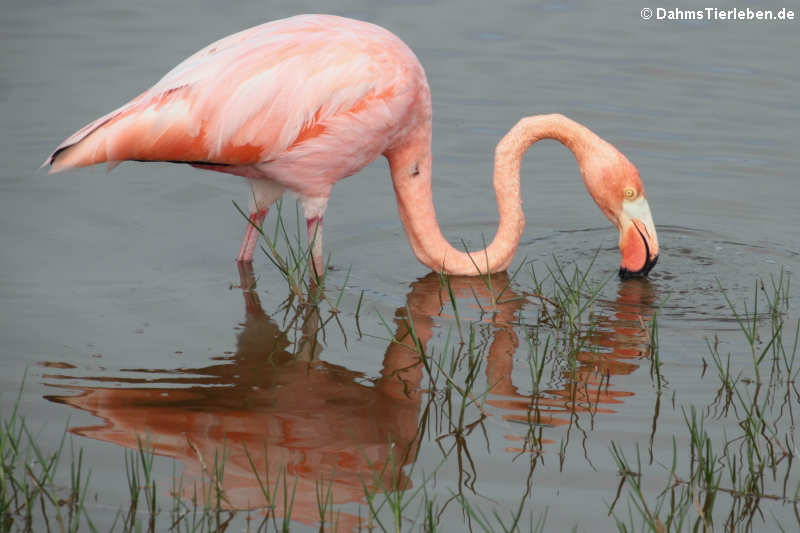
column 276, row 403
column 614, row 346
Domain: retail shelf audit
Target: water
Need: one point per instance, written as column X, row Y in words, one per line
column 116, row 288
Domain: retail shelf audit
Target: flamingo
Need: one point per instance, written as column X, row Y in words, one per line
column 300, row 103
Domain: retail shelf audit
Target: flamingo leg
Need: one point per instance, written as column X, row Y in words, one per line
column 264, row 194
column 314, row 210
column 314, row 228
column 251, row 234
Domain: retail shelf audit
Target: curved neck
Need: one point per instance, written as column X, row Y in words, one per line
column 411, row 175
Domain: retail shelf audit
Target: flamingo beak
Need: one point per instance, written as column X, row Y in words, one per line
column 638, row 241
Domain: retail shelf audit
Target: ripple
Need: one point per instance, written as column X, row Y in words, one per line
column 693, row 264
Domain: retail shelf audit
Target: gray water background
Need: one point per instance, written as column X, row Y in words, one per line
column 107, row 271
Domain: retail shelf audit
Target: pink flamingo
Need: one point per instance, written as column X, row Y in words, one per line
column 300, row 103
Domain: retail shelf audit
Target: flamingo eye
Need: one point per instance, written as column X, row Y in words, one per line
column 630, row 193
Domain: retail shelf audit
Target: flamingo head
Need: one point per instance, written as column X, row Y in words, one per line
column 616, row 187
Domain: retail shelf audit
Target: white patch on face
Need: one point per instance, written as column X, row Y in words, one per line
column 638, row 209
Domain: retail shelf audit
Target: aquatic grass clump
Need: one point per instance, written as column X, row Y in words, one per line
column 750, row 319
column 35, row 498
column 728, row 482
column 295, row 263
column 571, row 294
column 292, row 256
column 27, row 478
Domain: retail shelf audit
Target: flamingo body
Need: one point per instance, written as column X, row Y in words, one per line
column 300, row 103
column 303, row 101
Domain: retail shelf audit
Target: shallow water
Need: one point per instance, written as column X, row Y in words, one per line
column 116, row 288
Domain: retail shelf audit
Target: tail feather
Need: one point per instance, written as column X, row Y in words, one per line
column 74, row 151
column 146, row 129
column 149, row 128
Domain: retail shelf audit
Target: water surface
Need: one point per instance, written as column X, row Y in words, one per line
column 116, row 287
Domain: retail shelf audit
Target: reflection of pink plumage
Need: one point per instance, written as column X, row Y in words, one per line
column 300, row 103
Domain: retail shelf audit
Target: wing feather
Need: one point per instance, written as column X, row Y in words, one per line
column 248, row 97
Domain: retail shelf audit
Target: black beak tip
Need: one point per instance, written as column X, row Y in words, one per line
column 624, row 273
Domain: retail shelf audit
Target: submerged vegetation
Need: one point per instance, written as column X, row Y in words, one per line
column 345, row 456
